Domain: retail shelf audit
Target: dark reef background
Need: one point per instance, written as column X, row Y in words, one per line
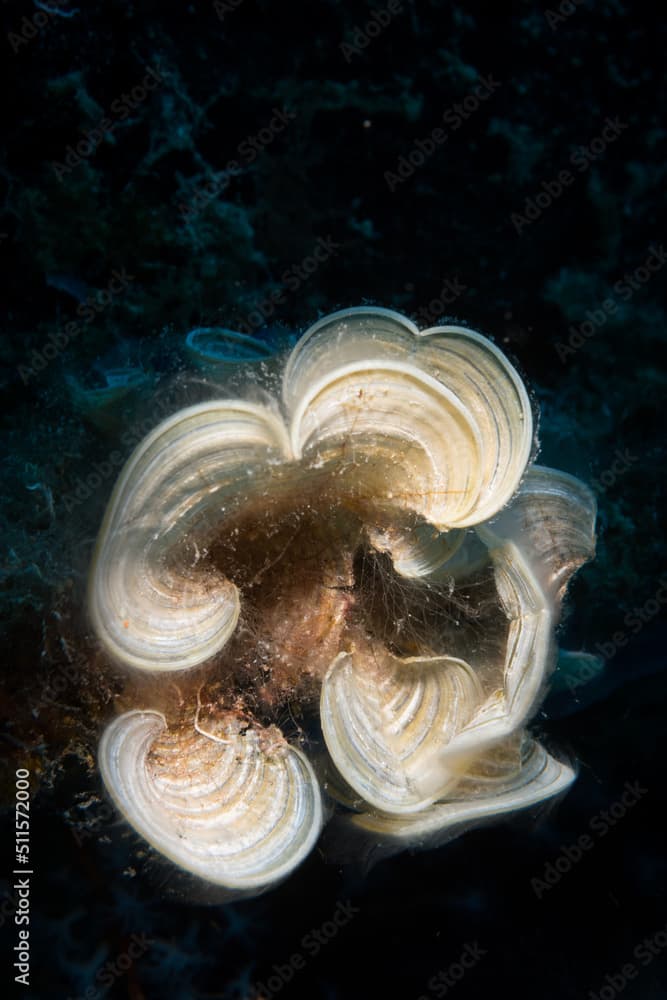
column 539, row 219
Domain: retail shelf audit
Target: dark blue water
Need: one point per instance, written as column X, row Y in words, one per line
column 252, row 166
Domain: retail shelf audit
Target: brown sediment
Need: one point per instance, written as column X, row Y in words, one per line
column 292, row 561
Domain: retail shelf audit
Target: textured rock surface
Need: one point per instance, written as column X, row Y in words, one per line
column 271, row 169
